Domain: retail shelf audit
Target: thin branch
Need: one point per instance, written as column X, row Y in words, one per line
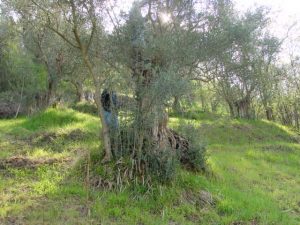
column 94, row 25
column 111, row 19
column 75, row 28
column 50, row 27
column 41, row 7
column 287, row 33
column 62, row 36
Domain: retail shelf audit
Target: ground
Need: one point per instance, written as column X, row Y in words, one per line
column 252, row 178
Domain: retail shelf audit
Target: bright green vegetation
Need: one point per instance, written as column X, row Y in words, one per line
column 254, row 176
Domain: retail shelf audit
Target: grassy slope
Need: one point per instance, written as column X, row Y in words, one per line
column 254, row 177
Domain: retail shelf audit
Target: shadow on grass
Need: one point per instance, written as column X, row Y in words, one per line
column 50, row 119
column 45, row 188
column 49, row 192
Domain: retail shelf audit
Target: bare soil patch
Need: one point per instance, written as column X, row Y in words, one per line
column 201, row 198
column 44, row 138
column 25, row 162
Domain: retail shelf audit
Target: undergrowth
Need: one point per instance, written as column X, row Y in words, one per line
column 253, row 175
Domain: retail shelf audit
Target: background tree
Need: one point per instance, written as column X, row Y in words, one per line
column 20, row 77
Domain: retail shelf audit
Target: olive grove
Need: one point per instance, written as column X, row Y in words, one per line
column 158, row 58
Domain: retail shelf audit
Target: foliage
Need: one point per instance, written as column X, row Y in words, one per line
column 21, row 77
column 197, row 153
column 233, row 57
column 162, row 165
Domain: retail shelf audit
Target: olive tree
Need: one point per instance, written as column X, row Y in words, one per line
column 78, row 24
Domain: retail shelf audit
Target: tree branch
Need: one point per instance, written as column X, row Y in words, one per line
column 62, row 36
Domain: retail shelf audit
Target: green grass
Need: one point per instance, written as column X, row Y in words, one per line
column 254, row 175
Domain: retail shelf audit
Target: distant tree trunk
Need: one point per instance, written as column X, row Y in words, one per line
column 176, row 105
column 282, row 113
column 269, row 113
column 231, row 108
column 21, row 97
column 243, row 108
column 288, row 116
column 296, row 116
column 214, row 106
column 79, row 92
column 51, row 89
column 89, row 96
column 285, row 114
column 51, row 75
column 203, row 102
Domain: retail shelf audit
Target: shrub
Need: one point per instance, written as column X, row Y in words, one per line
column 162, row 164
column 86, row 107
column 196, row 155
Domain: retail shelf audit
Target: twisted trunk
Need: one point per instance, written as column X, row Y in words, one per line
column 151, row 121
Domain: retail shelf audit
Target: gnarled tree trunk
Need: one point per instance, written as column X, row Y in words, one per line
column 151, row 119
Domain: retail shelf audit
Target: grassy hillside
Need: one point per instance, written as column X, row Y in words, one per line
column 253, row 178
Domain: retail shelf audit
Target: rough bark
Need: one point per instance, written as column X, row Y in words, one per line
column 152, row 120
